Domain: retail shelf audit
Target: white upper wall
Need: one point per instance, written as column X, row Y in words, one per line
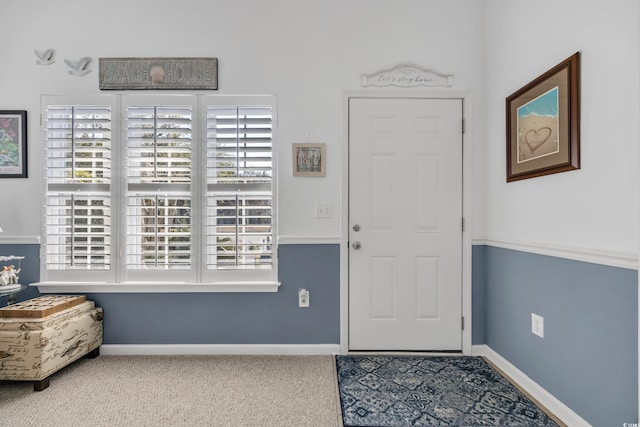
column 308, row 53
column 305, row 52
column 595, row 208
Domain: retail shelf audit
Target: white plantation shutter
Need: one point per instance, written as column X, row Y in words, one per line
column 77, row 227
column 167, row 189
column 239, row 215
column 158, row 174
column 78, row 231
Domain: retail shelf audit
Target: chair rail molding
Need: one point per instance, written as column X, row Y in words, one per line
column 594, row 256
column 19, row 240
column 308, row 240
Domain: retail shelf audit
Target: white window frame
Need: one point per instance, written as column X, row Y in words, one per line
column 198, row 279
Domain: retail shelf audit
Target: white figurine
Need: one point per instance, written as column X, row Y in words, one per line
column 9, row 275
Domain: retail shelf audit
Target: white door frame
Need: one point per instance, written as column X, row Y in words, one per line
column 466, row 206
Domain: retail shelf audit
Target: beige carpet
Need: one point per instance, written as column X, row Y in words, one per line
column 180, row 391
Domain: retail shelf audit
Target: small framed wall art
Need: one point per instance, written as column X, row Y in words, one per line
column 309, row 159
column 543, row 123
column 13, row 144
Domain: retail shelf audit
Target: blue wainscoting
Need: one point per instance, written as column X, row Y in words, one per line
column 225, row 318
column 237, row 318
column 588, row 358
column 478, row 296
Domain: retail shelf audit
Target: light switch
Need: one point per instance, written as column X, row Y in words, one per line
column 323, row 210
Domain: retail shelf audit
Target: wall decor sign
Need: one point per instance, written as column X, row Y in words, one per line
column 158, row 73
column 309, row 159
column 407, row 75
column 543, row 123
column 13, row 144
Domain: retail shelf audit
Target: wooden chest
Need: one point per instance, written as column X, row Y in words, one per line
column 51, row 332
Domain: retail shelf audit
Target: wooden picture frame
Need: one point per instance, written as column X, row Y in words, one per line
column 13, row 144
column 543, row 123
column 309, row 159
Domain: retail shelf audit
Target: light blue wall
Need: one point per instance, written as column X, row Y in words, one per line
column 588, row 358
column 478, row 296
column 226, row 318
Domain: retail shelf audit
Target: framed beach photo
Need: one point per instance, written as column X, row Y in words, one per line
column 309, row 159
column 543, row 123
column 13, row 144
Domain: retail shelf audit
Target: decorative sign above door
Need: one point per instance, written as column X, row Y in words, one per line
column 158, row 73
column 407, row 75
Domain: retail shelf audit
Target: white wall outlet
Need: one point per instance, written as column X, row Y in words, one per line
column 537, row 325
column 323, row 210
column 303, row 298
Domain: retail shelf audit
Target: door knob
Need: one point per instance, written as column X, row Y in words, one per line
column 356, row 228
column 356, row 245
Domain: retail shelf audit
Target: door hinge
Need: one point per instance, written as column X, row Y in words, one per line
column 462, row 322
column 462, row 225
column 463, row 127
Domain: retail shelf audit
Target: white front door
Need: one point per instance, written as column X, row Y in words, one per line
column 405, row 214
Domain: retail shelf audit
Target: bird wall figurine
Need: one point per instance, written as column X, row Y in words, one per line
column 79, row 68
column 44, row 58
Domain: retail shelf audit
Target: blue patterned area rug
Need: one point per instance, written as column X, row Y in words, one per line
column 390, row 391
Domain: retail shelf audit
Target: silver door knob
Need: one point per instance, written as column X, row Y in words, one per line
column 356, row 245
column 356, row 227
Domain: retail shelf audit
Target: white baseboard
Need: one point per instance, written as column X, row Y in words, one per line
column 219, row 349
column 546, row 399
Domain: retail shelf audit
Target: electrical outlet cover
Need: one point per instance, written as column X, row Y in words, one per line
column 537, row 325
column 303, row 298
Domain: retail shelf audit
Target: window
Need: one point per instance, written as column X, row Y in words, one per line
column 157, row 188
column 239, row 175
column 78, row 232
column 161, row 184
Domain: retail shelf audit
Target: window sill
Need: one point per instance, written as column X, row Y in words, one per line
column 154, row 287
